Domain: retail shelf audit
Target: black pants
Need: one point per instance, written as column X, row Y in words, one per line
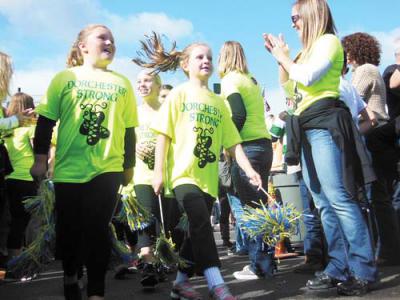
column 199, row 245
column 83, row 212
column 17, row 191
column 225, row 212
column 381, row 143
column 171, row 214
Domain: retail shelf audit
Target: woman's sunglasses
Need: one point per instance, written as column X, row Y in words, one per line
column 295, row 18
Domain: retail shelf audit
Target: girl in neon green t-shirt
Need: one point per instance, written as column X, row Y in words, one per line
column 192, row 126
column 96, row 110
column 148, row 86
column 242, row 92
column 19, row 183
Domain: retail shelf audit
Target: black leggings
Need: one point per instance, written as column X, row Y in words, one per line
column 84, row 211
column 199, row 246
column 148, row 199
column 18, row 191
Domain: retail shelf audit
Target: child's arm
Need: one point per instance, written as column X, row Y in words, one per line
column 162, row 146
column 41, row 146
column 237, row 152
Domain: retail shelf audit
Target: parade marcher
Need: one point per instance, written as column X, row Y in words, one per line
column 148, row 88
column 164, row 91
column 329, row 146
column 95, row 151
column 192, row 126
column 19, row 184
column 363, row 53
column 246, row 102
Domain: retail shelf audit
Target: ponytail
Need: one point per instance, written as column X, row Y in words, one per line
column 6, row 72
column 157, row 58
column 74, row 57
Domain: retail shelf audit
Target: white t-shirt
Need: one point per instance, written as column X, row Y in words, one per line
column 350, row 96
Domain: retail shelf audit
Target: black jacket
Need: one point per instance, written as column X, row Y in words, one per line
column 334, row 116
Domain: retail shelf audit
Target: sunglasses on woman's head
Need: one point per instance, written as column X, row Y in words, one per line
column 295, row 18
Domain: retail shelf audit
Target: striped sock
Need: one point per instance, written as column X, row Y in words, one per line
column 181, row 277
column 213, row 276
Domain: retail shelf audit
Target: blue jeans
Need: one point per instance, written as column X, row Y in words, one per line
column 341, row 215
column 314, row 236
column 259, row 154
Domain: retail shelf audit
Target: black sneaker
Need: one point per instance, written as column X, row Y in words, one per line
column 322, row 281
column 120, row 272
column 353, row 287
column 149, row 276
column 72, row 292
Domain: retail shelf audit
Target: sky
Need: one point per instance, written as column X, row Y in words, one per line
column 39, row 33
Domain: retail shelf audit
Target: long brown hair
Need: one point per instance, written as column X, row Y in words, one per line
column 6, row 72
column 19, row 102
column 154, row 56
column 75, row 57
column 317, row 21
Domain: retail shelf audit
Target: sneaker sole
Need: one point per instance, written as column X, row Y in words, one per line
column 175, row 296
column 245, row 277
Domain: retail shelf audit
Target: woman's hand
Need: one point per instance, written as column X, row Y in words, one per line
column 158, row 182
column 276, row 46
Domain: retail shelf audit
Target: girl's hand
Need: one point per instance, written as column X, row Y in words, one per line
column 158, row 183
column 144, row 150
column 254, row 178
column 127, row 176
column 39, row 170
column 25, row 117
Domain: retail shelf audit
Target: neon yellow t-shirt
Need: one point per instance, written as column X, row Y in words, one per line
column 198, row 123
column 328, row 45
column 94, row 108
column 244, row 84
column 144, row 170
column 20, row 151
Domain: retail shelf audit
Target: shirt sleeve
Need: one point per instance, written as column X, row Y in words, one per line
column 361, row 80
column 9, row 123
column 49, row 106
column 229, row 85
column 166, row 116
column 230, row 135
column 130, row 111
column 321, row 59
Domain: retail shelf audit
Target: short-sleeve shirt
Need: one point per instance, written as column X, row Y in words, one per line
column 144, row 169
column 94, row 108
column 19, row 148
column 198, row 123
column 244, row 84
column 328, row 46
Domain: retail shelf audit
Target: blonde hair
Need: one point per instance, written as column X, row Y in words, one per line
column 75, row 57
column 232, row 58
column 317, row 20
column 160, row 60
column 153, row 74
column 19, row 102
column 6, row 72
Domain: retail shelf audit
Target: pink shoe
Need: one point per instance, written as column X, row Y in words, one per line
column 184, row 291
column 221, row 292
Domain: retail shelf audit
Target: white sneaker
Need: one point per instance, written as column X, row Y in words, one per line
column 245, row 274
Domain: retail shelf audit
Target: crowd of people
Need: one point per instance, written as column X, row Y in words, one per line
column 184, row 147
